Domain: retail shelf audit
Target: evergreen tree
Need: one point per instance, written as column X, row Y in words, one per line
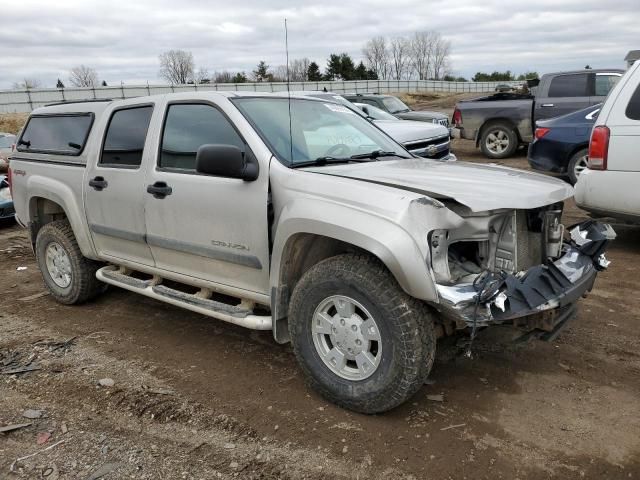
column 313, row 72
column 59, row 84
column 261, row 73
column 239, row 77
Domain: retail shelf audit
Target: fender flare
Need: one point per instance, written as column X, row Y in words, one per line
column 57, row 192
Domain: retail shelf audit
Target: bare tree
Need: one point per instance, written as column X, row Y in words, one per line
column 421, row 45
column 27, row 84
column 202, row 76
column 399, row 48
column 176, row 66
column 441, row 60
column 298, row 69
column 223, row 77
column 83, row 76
column 279, row 74
column 376, row 55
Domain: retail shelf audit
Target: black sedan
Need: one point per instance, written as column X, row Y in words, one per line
column 561, row 144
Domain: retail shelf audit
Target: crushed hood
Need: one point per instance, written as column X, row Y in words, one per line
column 479, row 187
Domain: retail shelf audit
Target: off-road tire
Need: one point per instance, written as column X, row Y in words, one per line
column 405, row 324
column 84, row 285
column 571, row 167
column 510, row 134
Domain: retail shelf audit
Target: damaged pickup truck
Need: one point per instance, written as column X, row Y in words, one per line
column 298, row 216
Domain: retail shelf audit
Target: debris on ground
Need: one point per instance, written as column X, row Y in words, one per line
column 42, row 438
column 32, row 414
column 436, row 397
column 106, row 382
column 33, row 297
column 15, row 426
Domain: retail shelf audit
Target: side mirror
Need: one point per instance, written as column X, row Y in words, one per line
column 226, row 161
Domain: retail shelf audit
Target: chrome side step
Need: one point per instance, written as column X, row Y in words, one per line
column 198, row 302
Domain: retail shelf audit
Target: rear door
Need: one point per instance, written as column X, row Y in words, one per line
column 115, row 185
column 206, row 227
column 566, row 93
column 624, row 124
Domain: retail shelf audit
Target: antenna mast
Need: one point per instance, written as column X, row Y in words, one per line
column 286, row 47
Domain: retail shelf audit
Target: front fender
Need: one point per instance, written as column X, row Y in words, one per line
column 60, row 193
column 386, row 240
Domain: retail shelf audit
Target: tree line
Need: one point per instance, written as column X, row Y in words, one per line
column 423, row 55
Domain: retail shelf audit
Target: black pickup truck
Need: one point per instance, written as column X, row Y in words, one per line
column 501, row 122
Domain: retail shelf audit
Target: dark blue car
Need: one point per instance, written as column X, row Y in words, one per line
column 561, row 144
column 6, row 203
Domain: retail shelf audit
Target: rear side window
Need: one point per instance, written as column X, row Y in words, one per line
column 604, row 83
column 189, row 126
column 574, row 85
column 61, row 134
column 633, row 108
column 125, row 138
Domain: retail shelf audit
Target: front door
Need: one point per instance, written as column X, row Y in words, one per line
column 114, row 191
column 206, row 227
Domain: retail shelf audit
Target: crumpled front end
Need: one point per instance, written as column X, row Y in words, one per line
column 499, row 281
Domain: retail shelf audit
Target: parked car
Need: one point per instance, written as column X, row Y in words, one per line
column 299, row 216
column 561, row 145
column 420, row 138
column 7, row 140
column 6, row 202
column 398, row 108
column 499, row 123
column 609, row 186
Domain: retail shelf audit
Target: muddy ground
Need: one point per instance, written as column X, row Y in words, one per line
column 196, row 398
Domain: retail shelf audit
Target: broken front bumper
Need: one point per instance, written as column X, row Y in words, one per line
column 541, row 298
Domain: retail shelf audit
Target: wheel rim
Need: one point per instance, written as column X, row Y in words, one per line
column 58, row 264
column 497, row 141
column 347, row 338
column 580, row 165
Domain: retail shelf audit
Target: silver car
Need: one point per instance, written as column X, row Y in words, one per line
column 430, row 140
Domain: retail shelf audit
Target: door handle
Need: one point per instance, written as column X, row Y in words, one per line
column 159, row 190
column 548, row 105
column 98, row 183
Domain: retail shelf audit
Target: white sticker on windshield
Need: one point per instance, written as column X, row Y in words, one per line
column 338, row 108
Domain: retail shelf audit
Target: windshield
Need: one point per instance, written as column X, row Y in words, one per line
column 375, row 112
column 7, row 140
column 319, row 130
column 394, row 105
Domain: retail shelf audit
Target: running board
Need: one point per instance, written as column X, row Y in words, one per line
column 198, row 302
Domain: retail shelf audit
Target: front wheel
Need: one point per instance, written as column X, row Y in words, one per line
column 69, row 276
column 361, row 341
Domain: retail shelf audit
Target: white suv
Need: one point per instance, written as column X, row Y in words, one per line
column 610, row 185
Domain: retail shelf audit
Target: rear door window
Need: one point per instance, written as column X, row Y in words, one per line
column 64, row 134
column 126, row 134
column 633, row 107
column 604, row 83
column 573, row 85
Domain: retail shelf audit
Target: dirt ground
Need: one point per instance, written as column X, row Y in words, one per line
column 184, row 396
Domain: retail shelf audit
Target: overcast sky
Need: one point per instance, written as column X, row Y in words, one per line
column 121, row 39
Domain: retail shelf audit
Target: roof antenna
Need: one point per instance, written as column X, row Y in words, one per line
column 286, row 46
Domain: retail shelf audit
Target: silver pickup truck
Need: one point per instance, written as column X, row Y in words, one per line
column 298, row 216
column 501, row 122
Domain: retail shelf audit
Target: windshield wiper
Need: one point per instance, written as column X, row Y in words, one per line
column 376, row 154
column 320, row 161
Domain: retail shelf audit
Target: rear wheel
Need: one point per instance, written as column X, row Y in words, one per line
column 361, row 341
column 498, row 140
column 577, row 164
column 69, row 276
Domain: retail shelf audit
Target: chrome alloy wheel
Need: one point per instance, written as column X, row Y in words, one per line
column 58, row 264
column 497, row 141
column 580, row 165
column 346, row 338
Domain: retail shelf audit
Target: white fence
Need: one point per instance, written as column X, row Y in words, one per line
column 26, row 100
